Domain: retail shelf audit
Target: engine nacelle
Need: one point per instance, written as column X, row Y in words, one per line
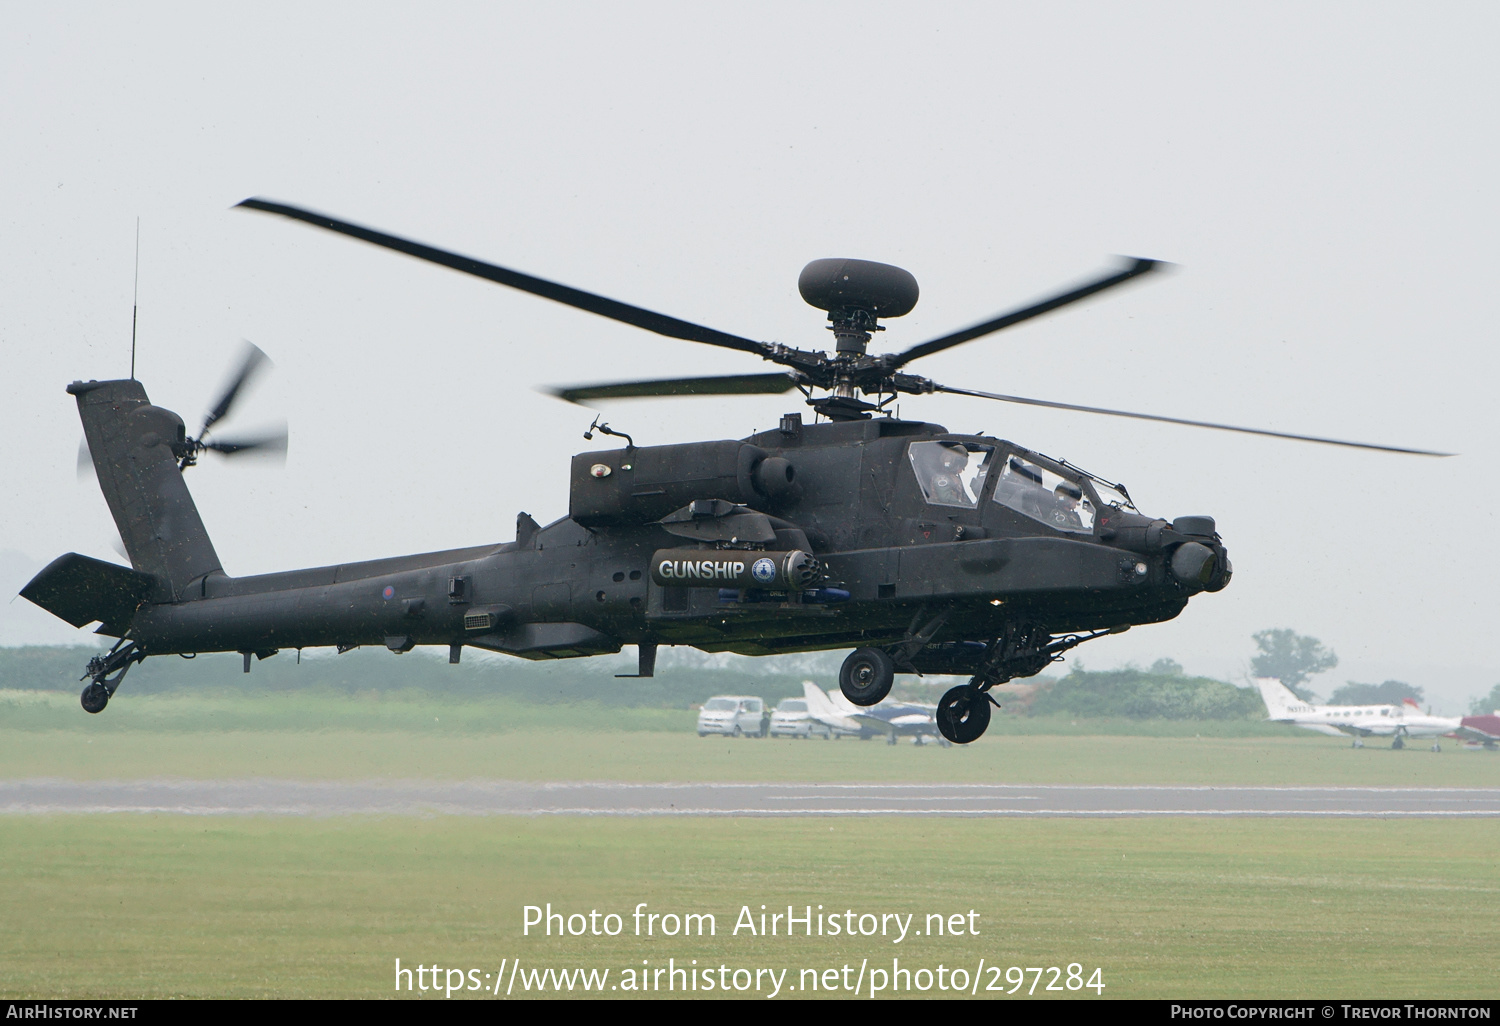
column 645, row 483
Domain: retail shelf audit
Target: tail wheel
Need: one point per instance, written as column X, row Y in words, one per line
column 94, row 698
column 963, row 714
column 867, row 675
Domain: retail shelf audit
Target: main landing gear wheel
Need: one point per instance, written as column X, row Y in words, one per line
column 94, row 698
column 1436, row 747
column 1397, row 744
column 963, row 714
column 867, row 675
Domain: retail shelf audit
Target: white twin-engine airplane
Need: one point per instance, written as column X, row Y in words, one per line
column 1397, row 722
column 893, row 719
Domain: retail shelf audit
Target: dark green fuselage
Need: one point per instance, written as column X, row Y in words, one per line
column 581, row 585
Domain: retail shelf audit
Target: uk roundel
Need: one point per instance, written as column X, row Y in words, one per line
column 388, row 593
column 764, row 571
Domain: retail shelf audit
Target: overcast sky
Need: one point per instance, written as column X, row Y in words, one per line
column 1322, row 175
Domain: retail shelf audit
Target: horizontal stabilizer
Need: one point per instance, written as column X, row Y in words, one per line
column 80, row 590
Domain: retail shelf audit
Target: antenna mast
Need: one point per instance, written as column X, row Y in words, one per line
column 135, row 296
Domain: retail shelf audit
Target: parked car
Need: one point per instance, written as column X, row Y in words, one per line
column 734, row 715
column 793, row 719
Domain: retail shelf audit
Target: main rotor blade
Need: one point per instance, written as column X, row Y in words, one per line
column 611, row 308
column 734, row 384
column 1189, row 423
column 254, row 360
column 1138, row 266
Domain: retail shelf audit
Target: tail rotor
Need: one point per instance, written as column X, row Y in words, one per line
column 272, row 444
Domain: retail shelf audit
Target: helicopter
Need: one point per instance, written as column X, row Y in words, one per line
column 922, row 550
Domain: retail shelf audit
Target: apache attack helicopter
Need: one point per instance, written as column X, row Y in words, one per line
column 923, row 550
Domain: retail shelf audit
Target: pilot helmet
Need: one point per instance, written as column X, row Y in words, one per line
column 953, row 457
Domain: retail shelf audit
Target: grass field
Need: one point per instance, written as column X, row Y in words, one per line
column 677, row 757
column 419, row 735
column 430, row 710
column 139, row 906
column 146, row 906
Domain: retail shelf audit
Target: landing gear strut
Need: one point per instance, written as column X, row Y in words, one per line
column 105, row 672
column 1022, row 651
column 867, row 674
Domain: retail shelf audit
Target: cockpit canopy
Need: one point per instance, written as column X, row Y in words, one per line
column 956, row 473
column 951, row 473
column 1041, row 494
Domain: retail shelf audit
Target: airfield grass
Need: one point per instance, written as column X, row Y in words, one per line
column 329, row 737
column 677, row 758
column 144, row 906
column 157, row 906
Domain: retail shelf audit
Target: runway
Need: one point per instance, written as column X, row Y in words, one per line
column 268, row 797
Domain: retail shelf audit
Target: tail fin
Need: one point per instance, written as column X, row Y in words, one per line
column 1279, row 699
column 820, row 705
column 817, row 700
column 131, row 443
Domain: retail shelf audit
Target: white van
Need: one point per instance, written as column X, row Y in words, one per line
column 735, row 715
column 793, row 719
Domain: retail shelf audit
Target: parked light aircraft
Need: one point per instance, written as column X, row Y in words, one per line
column 1484, row 730
column 893, row 719
column 1397, row 722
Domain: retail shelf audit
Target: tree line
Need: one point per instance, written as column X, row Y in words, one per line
column 686, row 678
